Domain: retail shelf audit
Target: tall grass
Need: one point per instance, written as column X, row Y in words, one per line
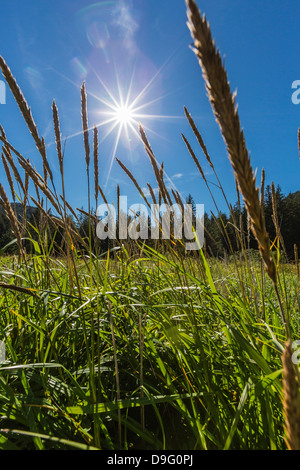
column 143, row 347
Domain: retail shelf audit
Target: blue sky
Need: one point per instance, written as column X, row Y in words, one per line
column 143, row 45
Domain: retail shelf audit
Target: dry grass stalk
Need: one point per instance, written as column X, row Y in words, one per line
column 85, row 128
column 118, row 202
column 57, row 137
column 12, row 165
column 152, row 193
column 89, row 215
column 179, row 200
column 9, row 158
column 204, row 179
column 175, row 197
column 291, row 399
column 37, row 191
column 12, row 217
column 36, row 178
column 102, row 194
column 262, row 187
column 204, row 149
column 163, row 190
column 4, row 137
column 275, row 216
column 128, row 173
column 60, row 153
column 45, row 173
column 96, row 163
column 25, row 110
column 9, row 148
column 225, row 110
column 26, row 189
column 166, row 192
column 69, row 207
column 194, row 157
column 85, row 125
column 8, row 176
column 198, row 136
column 20, row 99
column 24, row 290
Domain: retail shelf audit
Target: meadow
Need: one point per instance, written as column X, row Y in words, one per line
column 144, row 346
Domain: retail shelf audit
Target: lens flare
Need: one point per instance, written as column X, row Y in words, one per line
column 124, row 115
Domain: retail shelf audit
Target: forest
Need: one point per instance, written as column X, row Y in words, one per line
column 282, row 217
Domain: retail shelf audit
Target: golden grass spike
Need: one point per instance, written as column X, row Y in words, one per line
column 26, row 189
column 102, row 194
column 178, row 200
column 69, row 207
column 85, row 125
column 92, row 216
column 25, row 110
column 45, row 161
column 152, row 193
column 9, row 158
column 194, row 157
column 57, row 137
column 85, row 128
column 275, row 216
column 15, row 171
column 290, row 399
column 164, row 188
column 161, row 185
column 37, row 179
column 22, row 103
column 12, row 217
column 225, row 110
column 96, row 163
column 128, row 173
column 262, row 188
column 118, row 202
column 8, row 176
column 198, row 136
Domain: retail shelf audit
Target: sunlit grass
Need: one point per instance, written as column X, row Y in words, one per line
column 131, row 346
column 197, row 368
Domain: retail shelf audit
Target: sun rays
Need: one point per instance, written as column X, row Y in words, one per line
column 122, row 112
column 119, row 103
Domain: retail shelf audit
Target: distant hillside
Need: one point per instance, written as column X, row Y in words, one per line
column 19, row 210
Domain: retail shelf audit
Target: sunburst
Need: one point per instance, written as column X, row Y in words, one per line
column 123, row 112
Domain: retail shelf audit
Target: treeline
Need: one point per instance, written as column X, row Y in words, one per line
column 282, row 216
column 223, row 233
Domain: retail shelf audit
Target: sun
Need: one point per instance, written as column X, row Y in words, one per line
column 124, row 114
column 124, row 110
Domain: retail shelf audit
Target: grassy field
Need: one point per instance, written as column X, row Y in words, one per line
column 155, row 353
column 143, row 348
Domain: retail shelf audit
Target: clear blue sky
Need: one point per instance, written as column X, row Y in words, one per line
column 52, row 46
